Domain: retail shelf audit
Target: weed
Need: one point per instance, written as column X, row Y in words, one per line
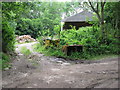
column 89, row 37
column 25, row 51
column 4, row 61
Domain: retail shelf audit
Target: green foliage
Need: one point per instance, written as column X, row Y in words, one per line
column 11, row 11
column 112, row 14
column 35, row 18
column 89, row 37
column 83, row 36
column 4, row 61
column 42, row 18
column 55, row 52
column 25, row 51
column 41, row 21
column 70, row 8
column 8, row 36
column 29, row 27
column 49, row 51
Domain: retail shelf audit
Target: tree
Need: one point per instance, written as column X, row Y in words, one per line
column 112, row 13
column 98, row 8
column 40, row 19
column 70, row 8
column 11, row 11
column 112, row 19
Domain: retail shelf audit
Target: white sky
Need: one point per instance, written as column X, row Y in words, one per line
column 62, row 0
column 80, row 0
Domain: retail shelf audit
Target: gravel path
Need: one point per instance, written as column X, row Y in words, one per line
column 39, row 71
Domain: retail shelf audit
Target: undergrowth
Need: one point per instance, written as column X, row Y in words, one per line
column 88, row 37
column 25, row 51
column 73, row 56
column 49, row 51
column 4, row 61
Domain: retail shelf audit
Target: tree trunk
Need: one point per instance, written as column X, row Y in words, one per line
column 100, row 17
column 102, row 23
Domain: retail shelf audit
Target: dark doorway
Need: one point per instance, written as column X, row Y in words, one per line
column 77, row 25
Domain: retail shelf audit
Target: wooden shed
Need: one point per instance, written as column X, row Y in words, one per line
column 78, row 20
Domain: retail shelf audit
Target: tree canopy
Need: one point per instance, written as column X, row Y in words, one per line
column 42, row 18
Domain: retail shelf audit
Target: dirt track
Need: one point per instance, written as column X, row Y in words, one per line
column 39, row 71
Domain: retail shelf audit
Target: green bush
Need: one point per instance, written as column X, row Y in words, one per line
column 82, row 36
column 114, row 47
column 4, row 61
column 25, row 51
column 89, row 37
column 51, row 51
column 28, row 27
column 40, row 40
column 8, row 36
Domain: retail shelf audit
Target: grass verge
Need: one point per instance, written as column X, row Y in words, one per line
column 104, row 56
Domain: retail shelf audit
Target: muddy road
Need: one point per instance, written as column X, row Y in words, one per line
column 39, row 71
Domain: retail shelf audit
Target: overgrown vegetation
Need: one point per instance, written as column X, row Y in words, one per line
column 4, row 61
column 25, row 51
column 42, row 19
column 89, row 37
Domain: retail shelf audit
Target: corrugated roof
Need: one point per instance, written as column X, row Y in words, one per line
column 82, row 16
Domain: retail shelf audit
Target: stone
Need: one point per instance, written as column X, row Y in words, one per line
column 59, row 61
column 66, row 64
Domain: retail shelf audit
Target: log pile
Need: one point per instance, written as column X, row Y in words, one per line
column 24, row 38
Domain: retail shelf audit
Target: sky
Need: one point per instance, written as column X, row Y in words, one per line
column 81, row 0
column 62, row 0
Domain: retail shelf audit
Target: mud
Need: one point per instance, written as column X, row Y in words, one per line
column 40, row 71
